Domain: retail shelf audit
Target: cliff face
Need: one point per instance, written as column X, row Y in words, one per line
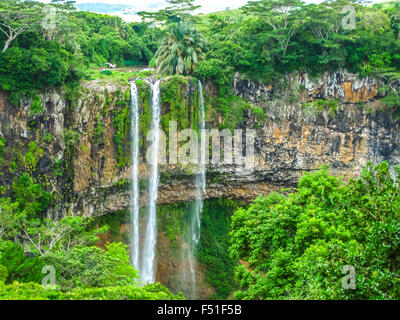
column 80, row 160
column 342, row 85
column 80, row 150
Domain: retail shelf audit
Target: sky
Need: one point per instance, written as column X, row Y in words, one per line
column 207, row 6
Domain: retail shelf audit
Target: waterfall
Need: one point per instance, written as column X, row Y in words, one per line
column 201, row 176
column 134, row 104
column 200, row 190
column 148, row 266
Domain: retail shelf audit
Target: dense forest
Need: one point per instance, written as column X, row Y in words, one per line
column 291, row 244
column 263, row 40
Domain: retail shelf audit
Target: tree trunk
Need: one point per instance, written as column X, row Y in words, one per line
column 9, row 40
column 7, row 44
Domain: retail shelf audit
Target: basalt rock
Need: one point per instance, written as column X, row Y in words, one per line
column 342, row 85
column 290, row 140
column 85, row 179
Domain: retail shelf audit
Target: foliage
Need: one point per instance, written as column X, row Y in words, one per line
column 173, row 219
column 90, row 266
column 18, row 16
column 36, row 59
column 178, row 11
column 19, row 267
column 2, row 147
column 122, row 123
column 32, row 156
column 176, row 105
column 232, row 109
column 214, row 244
column 37, row 106
column 3, row 273
column 268, row 38
column 213, row 69
column 30, row 198
column 34, row 291
column 71, row 138
column 180, row 51
column 295, row 246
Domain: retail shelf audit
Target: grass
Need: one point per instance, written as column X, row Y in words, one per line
column 121, row 76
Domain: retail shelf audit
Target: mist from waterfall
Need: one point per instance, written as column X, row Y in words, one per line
column 147, row 269
column 134, row 110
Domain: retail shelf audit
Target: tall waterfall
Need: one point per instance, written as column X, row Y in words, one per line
column 148, row 266
column 200, row 189
column 201, row 175
column 134, row 104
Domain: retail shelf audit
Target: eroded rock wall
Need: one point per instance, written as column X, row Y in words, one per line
column 86, row 179
column 342, row 85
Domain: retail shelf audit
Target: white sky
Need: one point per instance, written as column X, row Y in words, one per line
column 207, row 6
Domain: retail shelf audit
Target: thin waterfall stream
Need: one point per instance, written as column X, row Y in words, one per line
column 144, row 245
column 195, row 224
column 134, row 104
column 147, row 269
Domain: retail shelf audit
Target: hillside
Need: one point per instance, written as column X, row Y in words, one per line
column 249, row 154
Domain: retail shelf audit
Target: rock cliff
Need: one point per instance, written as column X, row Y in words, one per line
column 78, row 159
column 79, row 149
column 342, row 85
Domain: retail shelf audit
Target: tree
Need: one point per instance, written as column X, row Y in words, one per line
column 90, row 266
column 281, row 15
column 48, row 235
column 180, row 51
column 295, row 246
column 325, row 21
column 18, row 16
column 57, row 22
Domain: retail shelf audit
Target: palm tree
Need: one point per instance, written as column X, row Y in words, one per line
column 180, row 51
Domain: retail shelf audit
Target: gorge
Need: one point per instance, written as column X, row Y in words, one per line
column 157, row 209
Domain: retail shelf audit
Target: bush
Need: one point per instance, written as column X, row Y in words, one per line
column 34, row 291
column 18, row 266
column 3, row 273
column 84, row 266
column 37, row 106
column 106, row 72
column 295, row 246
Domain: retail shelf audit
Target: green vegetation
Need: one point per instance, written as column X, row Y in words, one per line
column 37, row 106
column 32, row 156
column 176, row 106
column 2, row 145
column 28, row 242
column 330, row 105
column 180, row 51
column 71, row 138
column 295, row 246
column 289, row 245
column 122, row 123
column 34, row 291
column 35, row 58
column 213, row 251
column 173, row 220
